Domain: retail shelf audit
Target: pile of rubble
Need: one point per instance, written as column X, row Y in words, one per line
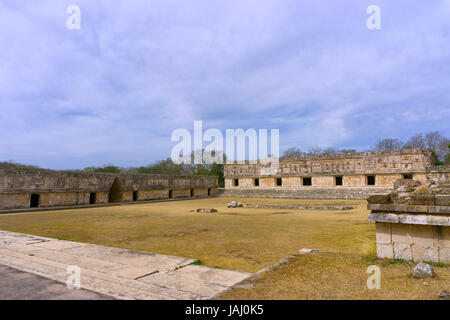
column 234, row 204
column 410, row 191
column 204, row 210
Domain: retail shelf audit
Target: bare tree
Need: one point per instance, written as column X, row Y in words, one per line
column 314, row 151
column 347, row 151
column 436, row 142
column 416, row 141
column 330, row 151
column 388, row 145
column 292, row 153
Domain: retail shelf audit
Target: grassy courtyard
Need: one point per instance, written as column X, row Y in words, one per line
column 246, row 239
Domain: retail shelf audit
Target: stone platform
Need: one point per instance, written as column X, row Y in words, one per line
column 360, row 193
column 413, row 222
column 119, row 273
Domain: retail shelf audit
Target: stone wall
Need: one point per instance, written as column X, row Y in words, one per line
column 343, row 175
column 412, row 225
column 302, row 193
column 65, row 188
column 398, row 161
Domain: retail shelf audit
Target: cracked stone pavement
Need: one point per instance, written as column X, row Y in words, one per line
column 114, row 272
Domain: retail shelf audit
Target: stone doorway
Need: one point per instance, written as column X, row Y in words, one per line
column 115, row 192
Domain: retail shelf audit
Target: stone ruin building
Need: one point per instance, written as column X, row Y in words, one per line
column 340, row 176
column 61, row 188
column 408, row 196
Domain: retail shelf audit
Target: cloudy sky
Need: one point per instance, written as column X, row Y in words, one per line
column 114, row 90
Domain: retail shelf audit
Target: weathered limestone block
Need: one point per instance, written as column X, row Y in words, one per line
column 444, row 254
column 385, row 251
column 383, row 217
column 379, row 198
column 200, row 192
column 422, row 253
column 422, row 199
column 397, row 207
column 442, row 236
column 403, row 251
column 439, row 209
column 383, row 233
column 423, row 235
column 402, row 233
column 442, row 199
column 413, row 218
column 181, row 193
column 435, row 220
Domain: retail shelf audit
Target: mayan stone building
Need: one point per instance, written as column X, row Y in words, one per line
column 344, row 176
column 61, row 188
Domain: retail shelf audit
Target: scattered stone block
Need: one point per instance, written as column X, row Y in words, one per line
column 210, row 210
column 445, row 294
column 308, row 251
column 234, row 204
column 423, row 270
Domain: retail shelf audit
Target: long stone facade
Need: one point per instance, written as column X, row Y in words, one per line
column 60, row 188
column 347, row 176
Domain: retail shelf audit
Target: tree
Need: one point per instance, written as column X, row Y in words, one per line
column 292, row 153
column 330, row 151
column 162, row 167
column 436, row 142
column 388, row 145
column 416, row 141
column 109, row 168
column 314, row 151
column 347, row 151
column 11, row 165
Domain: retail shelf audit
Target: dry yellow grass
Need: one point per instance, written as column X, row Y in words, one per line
column 340, row 276
column 247, row 239
column 244, row 239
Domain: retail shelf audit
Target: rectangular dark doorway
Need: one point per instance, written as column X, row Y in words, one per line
column 370, row 180
column 307, row 181
column 279, row 182
column 209, row 192
column 407, row 176
column 257, row 182
column 170, row 194
column 192, row 193
column 34, row 200
column 236, row 182
column 92, row 198
column 338, row 181
column 135, row 195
